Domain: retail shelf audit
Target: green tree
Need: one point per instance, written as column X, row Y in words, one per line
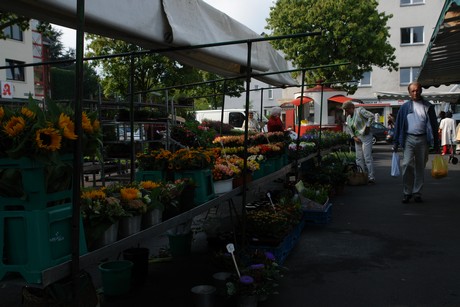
column 351, row 31
column 152, row 71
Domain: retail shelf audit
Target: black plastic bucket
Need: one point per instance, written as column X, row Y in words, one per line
column 139, row 256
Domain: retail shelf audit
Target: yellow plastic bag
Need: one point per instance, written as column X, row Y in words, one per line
column 439, row 167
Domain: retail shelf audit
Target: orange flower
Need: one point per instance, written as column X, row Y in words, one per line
column 27, row 112
column 129, row 193
column 2, row 113
column 149, row 185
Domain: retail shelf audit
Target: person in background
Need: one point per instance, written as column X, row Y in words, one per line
column 253, row 124
column 358, row 125
column 416, row 128
column 441, row 116
column 274, row 122
column 391, row 121
column 377, row 117
column 447, row 133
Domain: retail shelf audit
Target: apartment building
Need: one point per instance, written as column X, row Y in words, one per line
column 411, row 29
column 22, row 47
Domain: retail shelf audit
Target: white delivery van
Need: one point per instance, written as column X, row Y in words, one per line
column 234, row 117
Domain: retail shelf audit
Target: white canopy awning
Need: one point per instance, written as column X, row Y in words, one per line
column 451, row 97
column 155, row 24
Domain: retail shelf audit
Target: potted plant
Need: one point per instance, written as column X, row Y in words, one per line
column 153, row 165
column 134, row 204
column 258, row 279
column 151, row 192
column 100, row 214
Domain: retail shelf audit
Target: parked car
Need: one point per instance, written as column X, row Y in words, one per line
column 379, row 133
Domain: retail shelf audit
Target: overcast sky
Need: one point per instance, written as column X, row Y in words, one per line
column 251, row 13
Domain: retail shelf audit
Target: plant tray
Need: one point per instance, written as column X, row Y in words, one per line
column 318, row 217
column 284, row 248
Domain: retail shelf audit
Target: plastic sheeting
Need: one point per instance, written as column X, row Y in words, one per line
column 156, row 24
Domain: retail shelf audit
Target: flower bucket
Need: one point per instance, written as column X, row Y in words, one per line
column 223, row 186
column 152, row 218
column 180, row 244
column 139, row 256
column 150, row 175
column 116, row 277
column 203, row 295
column 109, row 236
column 220, row 282
column 129, row 225
column 204, row 190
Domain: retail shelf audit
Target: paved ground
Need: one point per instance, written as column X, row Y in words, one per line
column 375, row 252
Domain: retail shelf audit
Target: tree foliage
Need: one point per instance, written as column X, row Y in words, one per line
column 151, row 72
column 8, row 19
column 351, row 31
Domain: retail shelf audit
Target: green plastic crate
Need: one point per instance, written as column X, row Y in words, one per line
column 204, row 190
column 32, row 180
column 33, row 241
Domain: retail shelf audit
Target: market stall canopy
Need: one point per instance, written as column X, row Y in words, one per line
column 156, row 24
column 441, row 63
column 341, row 99
column 433, row 96
column 301, row 100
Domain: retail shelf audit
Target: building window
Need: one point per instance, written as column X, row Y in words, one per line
column 365, row 79
column 413, row 35
column 13, row 32
column 411, row 2
column 270, row 93
column 15, row 73
column 408, row 75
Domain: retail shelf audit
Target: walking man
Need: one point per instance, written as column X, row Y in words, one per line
column 416, row 129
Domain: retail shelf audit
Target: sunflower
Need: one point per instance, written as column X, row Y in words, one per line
column 149, row 185
column 27, row 112
column 2, row 113
column 15, row 126
column 68, row 127
column 130, row 193
column 48, row 138
column 86, row 123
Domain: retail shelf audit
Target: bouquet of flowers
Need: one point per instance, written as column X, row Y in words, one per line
column 43, row 132
column 155, row 160
column 224, row 169
column 131, row 198
column 191, row 159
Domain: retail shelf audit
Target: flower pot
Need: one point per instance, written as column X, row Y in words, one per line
column 108, row 237
column 203, row 295
column 140, row 258
column 181, row 244
column 204, row 190
column 116, row 277
column 220, row 282
column 223, row 186
column 129, row 225
column 152, row 218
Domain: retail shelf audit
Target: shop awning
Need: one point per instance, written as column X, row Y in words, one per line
column 301, row 100
column 441, row 63
column 340, row 99
column 157, row 24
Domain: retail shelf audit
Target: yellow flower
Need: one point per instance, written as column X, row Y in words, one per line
column 149, row 185
column 15, row 126
column 27, row 112
column 48, row 138
column 2, row 113
column 86, row 123
column 93, row 194
column 96, row 125
column 129, row 193
column 68, row 127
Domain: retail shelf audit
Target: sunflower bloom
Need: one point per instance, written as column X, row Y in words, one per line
column 149, row 185
column 86, row 123
column 129, row 193
column 67, row 126
column 48, row 138
column 96, row 125
column 2, row 113
column 15, row 126
column 27, row 112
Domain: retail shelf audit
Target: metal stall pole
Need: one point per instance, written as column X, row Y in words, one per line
column 77, row 161
column 132, row 154
column 298, row 124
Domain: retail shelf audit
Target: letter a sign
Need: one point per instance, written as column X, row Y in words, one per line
column 7, row 90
